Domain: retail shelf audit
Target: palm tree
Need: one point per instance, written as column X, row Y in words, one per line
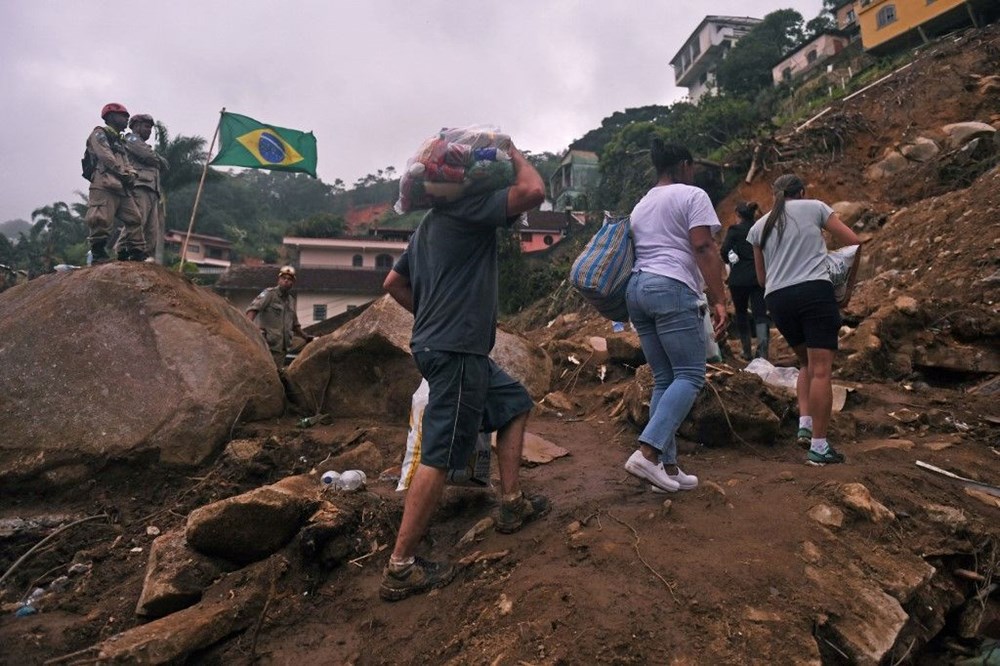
column 56, row 228
column 186, row 155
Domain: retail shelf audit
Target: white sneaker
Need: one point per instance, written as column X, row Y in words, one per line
column 637, row 465
column 683, row 481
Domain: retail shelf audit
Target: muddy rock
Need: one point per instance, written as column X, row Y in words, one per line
column 850, row 212
column 921, row 150
column 560, row 402
column 194, row 363
column 824, row 514
column 251, row 526
column 857, row 497
column 365, row 368
column 962, row 133
column 892, row 163
column 328, row 536
column 228, row 607
column 176, row 575
column 739, row 410
column 365, row 456
column 624, row 348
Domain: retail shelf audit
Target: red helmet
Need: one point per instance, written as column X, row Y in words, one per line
column 112, row 107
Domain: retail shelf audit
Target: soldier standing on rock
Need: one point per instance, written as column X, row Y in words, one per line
column 273, row 311
column 106, row 166
column 147, row 164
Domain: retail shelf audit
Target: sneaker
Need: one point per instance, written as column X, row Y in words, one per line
column 684, row 481
column 637, row 465
column 511, row 516
column 804, row 437
column 831, row 457
column 421, row 576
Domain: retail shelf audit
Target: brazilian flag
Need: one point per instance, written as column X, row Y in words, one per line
column 244, row 142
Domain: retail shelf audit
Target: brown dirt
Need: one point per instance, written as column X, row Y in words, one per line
column 611, row 575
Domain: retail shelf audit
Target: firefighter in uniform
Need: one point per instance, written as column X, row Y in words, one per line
column 273, row 311
column 147, row 193
column 111, row 177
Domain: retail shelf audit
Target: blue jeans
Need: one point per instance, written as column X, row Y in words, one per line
column 667, row 317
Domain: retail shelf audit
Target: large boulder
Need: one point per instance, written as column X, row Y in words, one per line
column 364, row 369
column 120, row 361
column 176, row 575
column 961, row 133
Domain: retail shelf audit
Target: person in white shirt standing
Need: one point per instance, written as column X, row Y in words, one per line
column 675, row 253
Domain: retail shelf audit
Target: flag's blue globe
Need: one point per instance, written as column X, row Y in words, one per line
column 271, row 148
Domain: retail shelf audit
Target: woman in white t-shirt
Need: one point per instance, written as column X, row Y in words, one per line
column 790, row 259
column 672, row 228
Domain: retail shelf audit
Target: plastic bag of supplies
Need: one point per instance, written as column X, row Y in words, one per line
column 453, row 164
column 843, row 267
column 476, row 473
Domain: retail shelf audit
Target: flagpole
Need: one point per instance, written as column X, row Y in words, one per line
column 197, row 196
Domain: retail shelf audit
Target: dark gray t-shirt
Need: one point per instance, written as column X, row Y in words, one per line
column 451, row 262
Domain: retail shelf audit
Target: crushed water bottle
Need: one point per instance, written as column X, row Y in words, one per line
column 349, row 481
column 352, row 479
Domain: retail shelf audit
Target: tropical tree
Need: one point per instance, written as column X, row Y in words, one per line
column 186, row 156
column 55, row 232
column 747, row 67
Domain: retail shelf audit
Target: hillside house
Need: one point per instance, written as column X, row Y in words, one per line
column 846, row 18
column 572, row 185
column 333, row 274
column 212, row 255
column 542, row 229
column 321, row 292
column 810, row 55
column 696, row 62
column 891, row 25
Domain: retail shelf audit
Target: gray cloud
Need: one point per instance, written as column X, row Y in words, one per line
column 370, row 79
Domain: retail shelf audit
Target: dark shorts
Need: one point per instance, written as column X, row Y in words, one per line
column 469, row 393
column 806, row 313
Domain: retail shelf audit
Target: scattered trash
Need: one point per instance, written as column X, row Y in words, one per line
column 786, row 378
column 25, row 611
column 137, row 549
column 476, row 530
column 152, row 530
column 573, row 359
column 602, row 372
column 349, row 481
column 79, row 568
column 310, row 421
column 59, row 584
column 618, row 326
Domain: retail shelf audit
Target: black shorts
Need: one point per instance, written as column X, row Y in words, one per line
column 806, row 313
column 469, row 393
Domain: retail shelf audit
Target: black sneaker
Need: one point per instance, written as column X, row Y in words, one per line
column 99, row 254
column 136, row 254
column 831, row 457
column 421, row 576
column 123, row 254
column 511, row 516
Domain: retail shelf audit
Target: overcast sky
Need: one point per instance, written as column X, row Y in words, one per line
column 370, row 78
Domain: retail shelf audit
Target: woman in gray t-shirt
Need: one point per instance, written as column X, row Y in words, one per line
column 790, row 260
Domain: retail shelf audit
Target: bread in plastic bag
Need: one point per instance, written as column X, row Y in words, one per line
column 453, row 164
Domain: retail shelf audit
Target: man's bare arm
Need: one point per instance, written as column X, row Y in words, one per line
column 398, row 286
column 528, row 190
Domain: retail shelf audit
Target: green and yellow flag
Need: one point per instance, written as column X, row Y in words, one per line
column 244, row 142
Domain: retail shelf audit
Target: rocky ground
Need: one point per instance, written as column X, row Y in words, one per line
column 879, row 560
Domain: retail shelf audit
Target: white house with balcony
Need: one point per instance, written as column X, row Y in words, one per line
column 696, row 62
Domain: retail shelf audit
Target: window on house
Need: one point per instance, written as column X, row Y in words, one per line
column 886, row 15
column 358, row 261
column 383, row 261
column 547, row 239
column 525, row 238
column 703, row 79
column 811, row 56
column 194, row 248
column 852, row 17
column 786, row 74
column 215, row 253
column 695, row 50
column 319, row 312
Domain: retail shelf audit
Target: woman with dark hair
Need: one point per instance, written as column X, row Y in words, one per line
column 672, row 229
column 790, row 259
column 743, row 286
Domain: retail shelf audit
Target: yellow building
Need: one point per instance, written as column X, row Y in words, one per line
column 889, row 25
